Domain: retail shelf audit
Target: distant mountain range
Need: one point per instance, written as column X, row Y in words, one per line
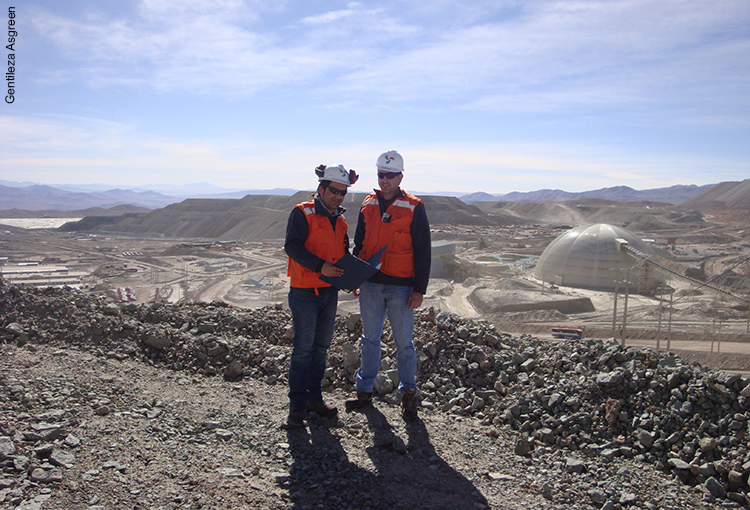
column 264, row 215
column 674, row 195
column 38, row 197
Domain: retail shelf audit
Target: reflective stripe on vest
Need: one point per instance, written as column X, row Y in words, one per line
column 322, row 241
column 398, row 259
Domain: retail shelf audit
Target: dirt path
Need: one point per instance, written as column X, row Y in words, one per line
column 458, row 302
column 217, row 289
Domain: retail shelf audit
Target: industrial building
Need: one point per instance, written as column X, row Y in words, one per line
column 442, row 253
column 258, row 280
column 37, row 275
column 599, row 256
column 222, row 264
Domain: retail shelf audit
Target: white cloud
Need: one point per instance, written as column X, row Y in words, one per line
column 330, row 17
column 196, row 47
column 66, row 149
column 412, row 75
column 553, row 52
column 173, row 12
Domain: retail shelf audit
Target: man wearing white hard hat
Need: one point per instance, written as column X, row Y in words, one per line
column 395, row 221
column 315, row 238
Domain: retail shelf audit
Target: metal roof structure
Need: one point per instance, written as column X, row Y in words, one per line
column 592, row 256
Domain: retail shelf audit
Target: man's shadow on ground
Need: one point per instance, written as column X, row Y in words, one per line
column 407, row 475
column 321, row 474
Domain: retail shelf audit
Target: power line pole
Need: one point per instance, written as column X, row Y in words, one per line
column 625, row 308
column 614, row 311
column 658, row 330
column 669, row 328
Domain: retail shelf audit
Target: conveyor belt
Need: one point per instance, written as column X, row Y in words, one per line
column 648, row 259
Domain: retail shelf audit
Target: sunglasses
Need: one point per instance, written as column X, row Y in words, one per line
column 388, row 175
column 335, row 191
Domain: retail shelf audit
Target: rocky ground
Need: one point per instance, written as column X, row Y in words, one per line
column 108, row 406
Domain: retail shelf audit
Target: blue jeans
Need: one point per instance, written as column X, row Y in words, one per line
column 375, row 300
column 313, row 319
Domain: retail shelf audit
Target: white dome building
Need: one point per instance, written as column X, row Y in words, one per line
column 589, row 256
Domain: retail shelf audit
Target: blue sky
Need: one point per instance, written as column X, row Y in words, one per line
column 494, row 96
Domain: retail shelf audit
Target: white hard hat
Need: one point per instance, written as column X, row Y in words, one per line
column 390, row 161
column 336, row 174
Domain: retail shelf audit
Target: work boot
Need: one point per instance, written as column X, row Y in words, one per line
column 409, row 404
column 322, row 409
column 360, row 400
column 295, row 420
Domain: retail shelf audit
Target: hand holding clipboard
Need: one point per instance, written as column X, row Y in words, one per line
column 355, row 269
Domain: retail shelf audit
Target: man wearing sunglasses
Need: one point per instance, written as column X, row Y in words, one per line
column 315, row 238
column 395, row 221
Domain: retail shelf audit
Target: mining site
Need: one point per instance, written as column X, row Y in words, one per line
column 144, row 362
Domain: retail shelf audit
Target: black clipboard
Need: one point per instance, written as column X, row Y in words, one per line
column 375, row 259
column 356, row 271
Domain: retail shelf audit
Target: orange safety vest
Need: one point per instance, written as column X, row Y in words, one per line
column 322, row 241
column 398, row 258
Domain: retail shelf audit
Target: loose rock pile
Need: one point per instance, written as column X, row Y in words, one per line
column 591, row 397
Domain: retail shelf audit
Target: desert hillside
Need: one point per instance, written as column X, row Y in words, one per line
column 254, row 217
column 263, row 217
column 726, row 195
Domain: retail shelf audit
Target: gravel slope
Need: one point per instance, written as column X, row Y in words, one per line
column 107, row 407
column 174, row 440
